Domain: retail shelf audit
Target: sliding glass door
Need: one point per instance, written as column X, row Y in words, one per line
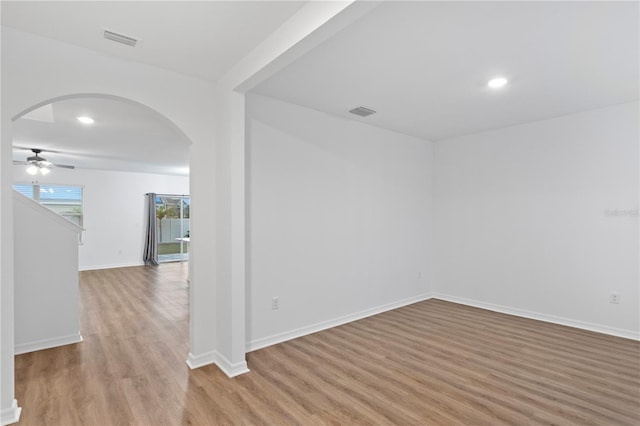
column 172, row 213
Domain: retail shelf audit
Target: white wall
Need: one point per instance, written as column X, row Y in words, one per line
column 114, row 211
column 339, row 219
column 524, row 224
column 46, row 278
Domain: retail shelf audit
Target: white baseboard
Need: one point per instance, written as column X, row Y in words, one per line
column 197, row 361
column 229, row 368
column 215, row 357
column 110, row 266
column 38, row 345
column 627, row 334
column 10, row 415
column 314, row 328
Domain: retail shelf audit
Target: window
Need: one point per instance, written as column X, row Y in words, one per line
column 65, row 200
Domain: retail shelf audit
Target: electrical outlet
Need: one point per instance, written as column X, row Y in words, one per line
column 275, row 303
column 614, row 298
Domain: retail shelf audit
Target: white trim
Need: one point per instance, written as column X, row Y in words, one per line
column 229, row 368
column 314, row 328
column 215, row 357
column 598, row 328
column 110, row 266
column 197, row 361
column 10, row 415
column 38, row 345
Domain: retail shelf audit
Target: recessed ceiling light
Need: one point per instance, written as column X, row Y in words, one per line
column 497, row 82
column 85, row 120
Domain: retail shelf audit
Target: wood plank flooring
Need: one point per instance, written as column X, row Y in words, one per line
column 431, row 363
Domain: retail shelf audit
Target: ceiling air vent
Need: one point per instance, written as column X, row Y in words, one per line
column 362, row 111
column 129, row 41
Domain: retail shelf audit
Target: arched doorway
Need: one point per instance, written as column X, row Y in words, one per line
column 25, row 136
column 124, row 151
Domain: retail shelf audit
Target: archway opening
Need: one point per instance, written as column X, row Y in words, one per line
column 127, row 151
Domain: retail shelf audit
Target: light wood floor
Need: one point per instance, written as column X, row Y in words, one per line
column 429, row 363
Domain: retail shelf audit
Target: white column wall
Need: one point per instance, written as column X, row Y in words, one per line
column 313, row 24
column 9, row 411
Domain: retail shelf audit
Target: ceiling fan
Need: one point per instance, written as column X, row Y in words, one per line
column 39, row 164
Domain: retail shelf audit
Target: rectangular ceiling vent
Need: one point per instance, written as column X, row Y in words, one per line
column 129, row 41
column 362, row 111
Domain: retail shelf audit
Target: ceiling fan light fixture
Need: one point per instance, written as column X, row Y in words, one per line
column 35, row 163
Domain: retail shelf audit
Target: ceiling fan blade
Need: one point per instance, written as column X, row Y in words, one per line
column 24, row 148
column 40, row 161
column 44, row 164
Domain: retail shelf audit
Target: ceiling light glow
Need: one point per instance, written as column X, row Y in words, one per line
column 85, row 120
column 32, row 169
column 498, row 82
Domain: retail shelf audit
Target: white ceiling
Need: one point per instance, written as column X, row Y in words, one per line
column 124, row 136
column 424, row 65
column 199, row 38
